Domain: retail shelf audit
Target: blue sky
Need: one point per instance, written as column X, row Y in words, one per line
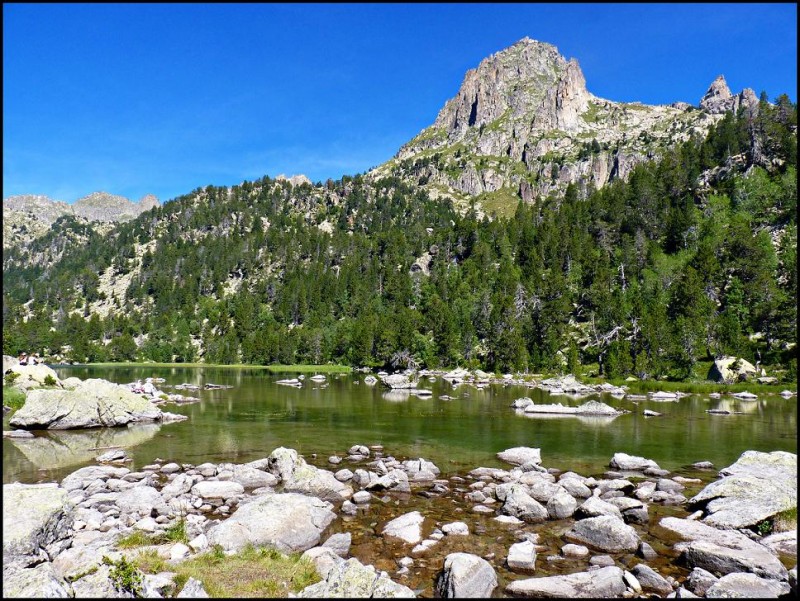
column 159, row 98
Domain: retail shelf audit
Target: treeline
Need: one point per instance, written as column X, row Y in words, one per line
column 644, row 277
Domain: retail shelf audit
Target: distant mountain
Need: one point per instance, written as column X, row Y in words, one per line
column 28, row 216
column 523, row 125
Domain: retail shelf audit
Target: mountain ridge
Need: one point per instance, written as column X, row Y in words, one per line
column 29, row 216
column 523, row 125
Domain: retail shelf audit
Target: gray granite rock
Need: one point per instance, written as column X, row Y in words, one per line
column 603, row 582
column 37, row 522
column 352, row 579
column 755, row 488
column 94, row 403
column 287, row 521
column 466, row 575
column 605, row 533
column 746, row 586
column 651, row 580
column 522, row 556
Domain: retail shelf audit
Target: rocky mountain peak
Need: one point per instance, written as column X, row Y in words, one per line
column 717, row 92
column 523, row 125
column 148, row 201
column 295, row 180
column 718, row 98
column 527, row 79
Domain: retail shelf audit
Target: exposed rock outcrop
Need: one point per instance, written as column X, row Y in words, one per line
column 92, row 404
column 718, row 98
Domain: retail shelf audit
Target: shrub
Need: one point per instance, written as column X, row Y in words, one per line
column 125, row 576
column 13, row 398
column 49, row 380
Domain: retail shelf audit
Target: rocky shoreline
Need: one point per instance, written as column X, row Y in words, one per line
column 524, row 531
column 374, row 525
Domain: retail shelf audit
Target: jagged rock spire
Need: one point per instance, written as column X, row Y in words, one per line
column 718, row 98
column 717, row 92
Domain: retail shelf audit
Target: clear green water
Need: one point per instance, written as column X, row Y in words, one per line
column 248, row 421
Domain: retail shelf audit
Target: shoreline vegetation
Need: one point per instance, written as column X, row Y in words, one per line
column 298, row 368
column 691, row 386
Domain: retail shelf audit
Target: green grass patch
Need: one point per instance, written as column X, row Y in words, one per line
column 307, row 369
column 13, row 397
column 690, row 386
column 176, row 533
column 135, row 539
column 253, row 572
column 502, row 202
column 785, row 521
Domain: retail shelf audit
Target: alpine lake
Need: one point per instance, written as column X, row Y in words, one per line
column 321, row 419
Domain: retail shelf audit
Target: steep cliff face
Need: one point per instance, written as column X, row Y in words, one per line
column 523, row 125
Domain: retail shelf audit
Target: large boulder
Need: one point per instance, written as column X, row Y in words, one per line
column 723, row 551
column 755, row 488
column 289, row 522
column 95, row 403
column 9, row 362
column 298, row 476
column 33, row 376
column 465, row 575
column 352, row 579
column 606, row 533
column 37, row 520
column 521, row 505
column 601, row 583
column 730, row 370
